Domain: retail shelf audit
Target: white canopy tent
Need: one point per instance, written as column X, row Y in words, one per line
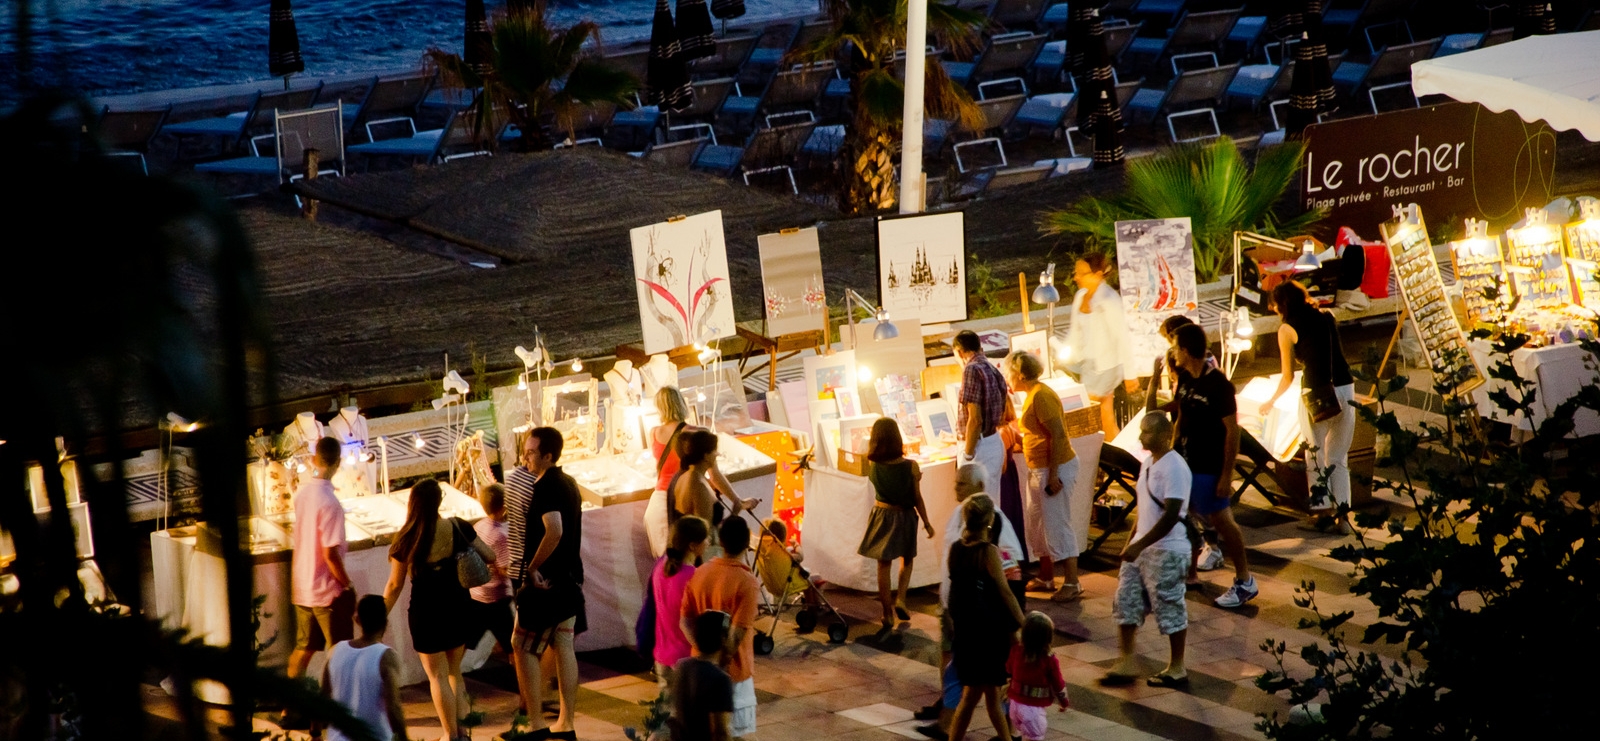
column 1551, row 78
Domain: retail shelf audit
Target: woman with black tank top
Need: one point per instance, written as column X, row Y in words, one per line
column 1311, row 335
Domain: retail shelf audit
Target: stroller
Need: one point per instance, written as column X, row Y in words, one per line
column 785, row 580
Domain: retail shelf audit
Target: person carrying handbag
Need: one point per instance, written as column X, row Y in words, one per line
column 433, row 551
column 1311, row 335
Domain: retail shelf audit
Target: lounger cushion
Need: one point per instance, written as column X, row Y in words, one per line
column 230, row 124
column 960, row 72
column 1044, row 111
column 825, row 140
column 740, row 105
column 421, row 145
column 719, row 158
column 241, row 166
column 1253, row 81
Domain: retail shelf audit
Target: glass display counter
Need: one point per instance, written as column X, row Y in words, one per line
column 618, row 479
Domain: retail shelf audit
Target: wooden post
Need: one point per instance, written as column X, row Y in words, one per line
column 308, row 207
column 1022, row 289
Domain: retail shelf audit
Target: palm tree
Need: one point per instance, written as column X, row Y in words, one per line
column 1211, row 184
column 874, row 30
column 537, row 73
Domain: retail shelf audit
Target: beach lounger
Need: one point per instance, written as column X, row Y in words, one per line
column 1193, row 93
column 1017, row 15
column 294, row 132
column 1391, row 64
column 766, row 150
column 389, row 101
column 459, row 138
column 1193, row 32
column 128, row 133
column 730, row 56
column 233, row 129
column 677, row 155
column 1005, row 54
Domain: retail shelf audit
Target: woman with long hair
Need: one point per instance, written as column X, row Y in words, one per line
column 425, row 549
column 1097, row 338
column 896, row 508
column 985, row 617
column 1052, row 477
column 671, row 576
column 1311, row 335
column 665, row 441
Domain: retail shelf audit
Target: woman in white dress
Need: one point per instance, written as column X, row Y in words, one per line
column 1101, row 353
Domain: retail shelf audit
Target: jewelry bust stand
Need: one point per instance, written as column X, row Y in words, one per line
column 355, row 476
column 625, row 384
column 303, row 434
column 657, row 373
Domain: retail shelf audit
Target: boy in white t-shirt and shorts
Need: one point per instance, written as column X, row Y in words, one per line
column 1156, row 559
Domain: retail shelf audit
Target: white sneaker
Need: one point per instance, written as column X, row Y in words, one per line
column 1210, row 558
column 1238, row 594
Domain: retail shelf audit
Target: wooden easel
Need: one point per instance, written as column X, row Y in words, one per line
column 777, row 349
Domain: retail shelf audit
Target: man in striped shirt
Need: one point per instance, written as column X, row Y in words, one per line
column 519, row 499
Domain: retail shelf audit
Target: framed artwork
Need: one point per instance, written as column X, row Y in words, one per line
column 791, row 282
column 570, row 407
column 1032, row 343
column 855, row 433
column 922, row 268
column 824, row 373
column 897, row 397
column 1155, row 262
column 938, row 422
column 848, row 402
column 681, row 274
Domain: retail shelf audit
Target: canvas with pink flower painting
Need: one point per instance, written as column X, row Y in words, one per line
column 681, row 274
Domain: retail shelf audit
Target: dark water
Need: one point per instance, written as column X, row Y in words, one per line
column 102, row 47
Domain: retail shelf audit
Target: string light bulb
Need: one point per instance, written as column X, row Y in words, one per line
column 522, row 381
column 1065, row 353
column 577, row 365
column 418, row 442
column 863, row 374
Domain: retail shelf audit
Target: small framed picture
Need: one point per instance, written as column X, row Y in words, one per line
column 938, row 422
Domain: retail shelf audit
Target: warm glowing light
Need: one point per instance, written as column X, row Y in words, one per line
column 863, row 374
column 1064, row 354
column 418, row 442
column 1242, row 325
column 577, row 364
column 522, row 382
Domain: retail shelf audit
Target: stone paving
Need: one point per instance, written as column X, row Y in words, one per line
column 867, row 688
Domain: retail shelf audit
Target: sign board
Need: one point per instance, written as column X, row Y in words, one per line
column 1422, row 288
column 1456, row 159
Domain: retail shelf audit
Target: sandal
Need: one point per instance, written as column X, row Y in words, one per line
column 1167, row 680
column 1039, row 585
column 1068, row 593
column 900, row 612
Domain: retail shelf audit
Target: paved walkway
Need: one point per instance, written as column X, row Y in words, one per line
column 867, row 688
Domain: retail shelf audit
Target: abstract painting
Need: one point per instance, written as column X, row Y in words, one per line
column 1155, row 264
column 681, row 271
column 791, row 282
column 922, row 270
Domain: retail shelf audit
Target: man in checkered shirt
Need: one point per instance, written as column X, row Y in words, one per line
column 984, row 407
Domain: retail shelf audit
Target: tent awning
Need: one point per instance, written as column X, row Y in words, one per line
column 1551, row 78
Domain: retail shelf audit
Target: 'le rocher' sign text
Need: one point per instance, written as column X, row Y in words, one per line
column 1456, row 160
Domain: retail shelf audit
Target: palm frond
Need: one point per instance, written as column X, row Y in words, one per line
column 942, row 98
column 881, row 99
column 569, row 45
column 1211, row 184
column 955, row 28
column 451, row 69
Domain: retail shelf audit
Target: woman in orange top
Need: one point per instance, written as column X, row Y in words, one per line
column 1052, row 472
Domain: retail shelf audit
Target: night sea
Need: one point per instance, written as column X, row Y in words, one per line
column 108, row 47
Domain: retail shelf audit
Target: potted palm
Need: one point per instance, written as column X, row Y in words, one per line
column 868, row 33
column 535, row 74
column 1212, row 184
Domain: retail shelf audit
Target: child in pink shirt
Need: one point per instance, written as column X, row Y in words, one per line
column 686, row 544
column 1036, row 681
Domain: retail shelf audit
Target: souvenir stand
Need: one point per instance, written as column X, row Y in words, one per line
column 886, row 373
column 1549, row 294
column 95, row 590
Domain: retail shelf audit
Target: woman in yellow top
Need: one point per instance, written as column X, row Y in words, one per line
column 1052, row 471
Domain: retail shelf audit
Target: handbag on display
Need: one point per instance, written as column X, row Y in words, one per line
column 471, row 570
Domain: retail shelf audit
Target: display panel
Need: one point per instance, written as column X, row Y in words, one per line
column 791, row 282
column 1422, row 288
column 681, row 274
column 1155, row 269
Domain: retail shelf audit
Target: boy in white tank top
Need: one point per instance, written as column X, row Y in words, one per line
column 363, row 674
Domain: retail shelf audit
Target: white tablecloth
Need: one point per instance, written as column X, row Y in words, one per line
column 837, row 507
column 838, row 504
column 1556, row 371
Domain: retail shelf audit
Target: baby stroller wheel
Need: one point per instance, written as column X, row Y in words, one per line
column 838, row 632
column 805, row 621
column 763, row 644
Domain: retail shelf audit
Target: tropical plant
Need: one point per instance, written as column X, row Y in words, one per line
column 865, row 36
column 1211, row 184
column 170, row 318
column 1485, row 593
column 537, row 74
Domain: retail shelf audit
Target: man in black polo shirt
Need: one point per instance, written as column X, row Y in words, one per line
column 550, row 610
column 1208, row 439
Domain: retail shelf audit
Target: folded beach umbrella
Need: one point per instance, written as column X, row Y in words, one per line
column 479, row 45
column 727, row 9
column 694, row 30
column 1107, row 128
column 1080, row 16
column 283, row 42
column 1096, row 76
column 1311, row 90
column 1534, row 18
column 667, row 74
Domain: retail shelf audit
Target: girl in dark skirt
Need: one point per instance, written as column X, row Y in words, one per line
column 985, row 617
column 892, row 527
